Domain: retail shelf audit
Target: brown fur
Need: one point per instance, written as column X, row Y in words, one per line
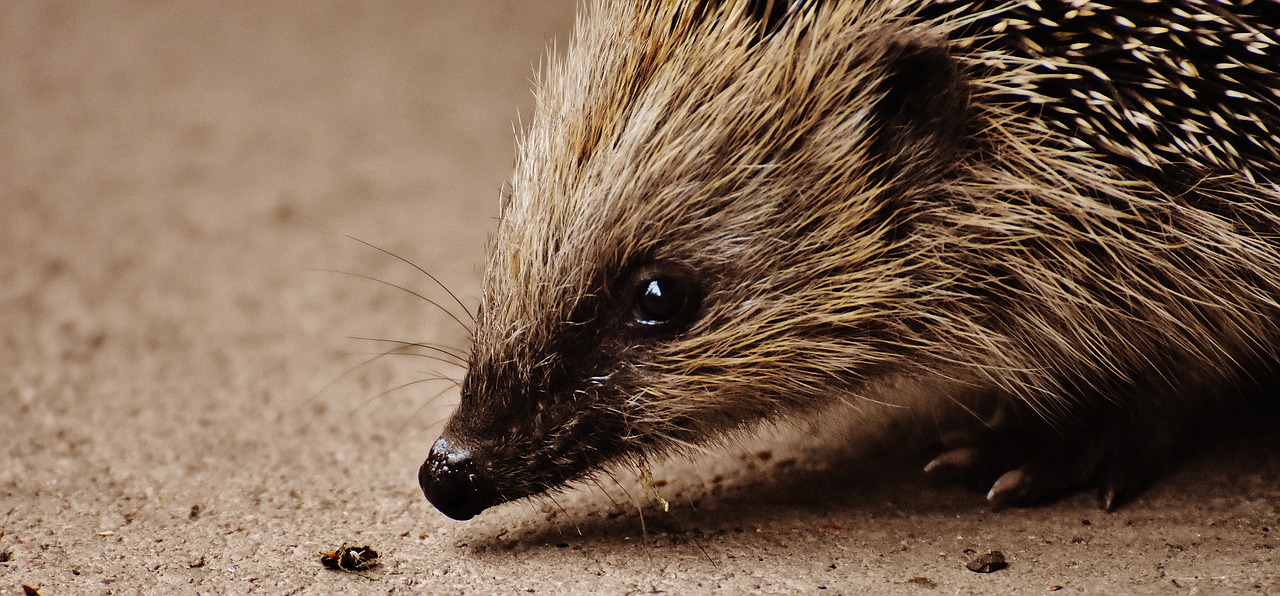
column 864, row 192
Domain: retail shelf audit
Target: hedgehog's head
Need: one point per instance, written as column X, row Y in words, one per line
column 704, row 231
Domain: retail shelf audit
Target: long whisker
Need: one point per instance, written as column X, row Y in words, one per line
column 462, row 360
column 430, row 357
column 434, row 423
column 446, row 311
column 644, row 530
column 436, row 377
column 693, row 537
column 596, row 481
column 420, row 270
column 565, row 513
column 429, row 401
column 358, row 366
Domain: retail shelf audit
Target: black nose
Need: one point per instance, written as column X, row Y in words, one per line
column 453, row 482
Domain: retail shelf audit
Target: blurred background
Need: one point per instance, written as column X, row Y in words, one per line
column 175, row 175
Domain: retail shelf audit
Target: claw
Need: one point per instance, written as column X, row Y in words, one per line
column 954, row 461
column 1107, row 498
column 1011, row 488
column 1024, row 460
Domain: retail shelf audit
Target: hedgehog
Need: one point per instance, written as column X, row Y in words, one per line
column 1061, row 215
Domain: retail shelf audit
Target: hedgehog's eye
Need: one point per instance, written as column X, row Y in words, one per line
column 661, row 300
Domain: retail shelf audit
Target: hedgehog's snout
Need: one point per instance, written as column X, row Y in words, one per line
column 454, row 482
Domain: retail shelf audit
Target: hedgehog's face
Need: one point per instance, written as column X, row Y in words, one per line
column 564, row 404
column 687, row 252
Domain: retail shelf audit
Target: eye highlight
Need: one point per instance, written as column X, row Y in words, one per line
column 663, row 298
column 660, row 301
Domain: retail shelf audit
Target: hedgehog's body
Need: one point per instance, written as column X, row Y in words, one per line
column 728, row 211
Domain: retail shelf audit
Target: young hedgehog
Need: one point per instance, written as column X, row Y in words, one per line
column 733, row 211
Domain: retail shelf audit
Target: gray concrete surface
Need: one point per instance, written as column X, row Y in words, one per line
column 176, row 177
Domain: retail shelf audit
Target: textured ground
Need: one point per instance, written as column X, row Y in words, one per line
column 175, row 177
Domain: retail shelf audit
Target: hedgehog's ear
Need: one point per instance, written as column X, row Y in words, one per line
column 923, row 113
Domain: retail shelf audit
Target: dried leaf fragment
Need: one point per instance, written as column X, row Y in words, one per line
column 350, row 558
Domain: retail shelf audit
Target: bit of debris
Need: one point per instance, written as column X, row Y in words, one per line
column 651, row 487
column 350, row 558
column 198, row 563
column 923, row 582
column 30, row 590
column 196, row 510
column 988, row 562
column 6, row 555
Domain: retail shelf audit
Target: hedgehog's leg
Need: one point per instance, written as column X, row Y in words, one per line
column 1021, row 459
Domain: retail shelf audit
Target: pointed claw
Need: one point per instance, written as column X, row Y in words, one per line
column 955, row 461
column 1107, row 498
column 1113, row 492
column 1024, row 460
column 1010, row 488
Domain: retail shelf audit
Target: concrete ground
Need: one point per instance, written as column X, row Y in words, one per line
column 176, row 181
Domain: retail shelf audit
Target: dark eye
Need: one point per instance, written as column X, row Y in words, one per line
column 660, row 301
column 663, row 299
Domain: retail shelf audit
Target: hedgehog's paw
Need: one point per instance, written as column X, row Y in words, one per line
column 1033, row 464
column 1012, row 473
column 1009, row 473
column 1117, row 470
column 1040, row 480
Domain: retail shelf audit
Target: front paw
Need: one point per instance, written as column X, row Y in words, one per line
column 1031, row 463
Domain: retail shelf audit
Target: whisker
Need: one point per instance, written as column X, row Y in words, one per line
column 430, row 357
column 420, row 270
column 358, row 366
column 693, row 537
column 446, row 311
column 644, row 530
column 461, row 358
column 566, row 513
column 409, row 419
column 538, row 504
column 437, row 377
column 433, row 424
column 698, row 543
column 596, row 481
